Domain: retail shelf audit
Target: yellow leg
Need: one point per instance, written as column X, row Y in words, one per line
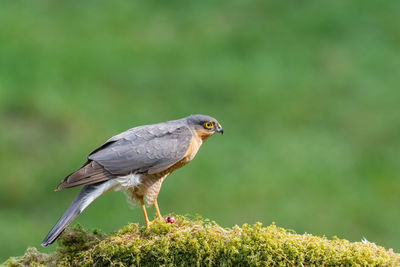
column 146, row 219
column 158, row 210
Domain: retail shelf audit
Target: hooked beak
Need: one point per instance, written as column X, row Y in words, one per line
column 219, row 129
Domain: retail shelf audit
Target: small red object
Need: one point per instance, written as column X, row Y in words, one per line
column 169, row 219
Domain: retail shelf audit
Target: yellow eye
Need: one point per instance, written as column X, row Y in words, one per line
column 208, row 125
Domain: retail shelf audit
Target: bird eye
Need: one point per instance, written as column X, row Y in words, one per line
column 208, row 125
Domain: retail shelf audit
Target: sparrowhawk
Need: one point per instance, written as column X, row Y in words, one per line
column 136, row 161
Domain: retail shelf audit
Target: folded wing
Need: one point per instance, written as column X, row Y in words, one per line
column 145, row 149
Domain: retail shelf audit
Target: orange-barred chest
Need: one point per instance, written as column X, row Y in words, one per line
column 151, row 183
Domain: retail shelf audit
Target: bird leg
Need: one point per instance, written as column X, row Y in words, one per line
column 158, row 210
column 146, row 219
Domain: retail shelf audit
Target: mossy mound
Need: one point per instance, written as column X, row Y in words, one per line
column 200, row 242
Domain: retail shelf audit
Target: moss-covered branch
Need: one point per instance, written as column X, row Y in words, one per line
column 200, row 242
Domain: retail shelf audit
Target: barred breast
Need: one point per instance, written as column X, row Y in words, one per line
column 149, row 185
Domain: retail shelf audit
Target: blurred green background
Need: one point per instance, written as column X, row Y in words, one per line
column 307, row 92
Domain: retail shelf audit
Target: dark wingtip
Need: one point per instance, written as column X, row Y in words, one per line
column 60, row 186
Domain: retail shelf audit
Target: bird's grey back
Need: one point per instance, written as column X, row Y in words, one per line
column 145, row 148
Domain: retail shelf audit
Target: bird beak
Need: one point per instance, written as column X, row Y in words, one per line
column 219, row 129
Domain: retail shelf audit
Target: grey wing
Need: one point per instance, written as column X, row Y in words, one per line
column 146, row 149
column 151, row 149
column 90, row 173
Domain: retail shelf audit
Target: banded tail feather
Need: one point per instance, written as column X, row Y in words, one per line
column 86, row 196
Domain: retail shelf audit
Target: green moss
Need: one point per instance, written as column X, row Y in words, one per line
column 32, row 257
column 200, row 242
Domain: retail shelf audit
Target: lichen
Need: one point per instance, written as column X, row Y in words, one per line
column 200, row 242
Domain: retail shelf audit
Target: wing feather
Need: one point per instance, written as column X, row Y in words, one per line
column 90, row 173
column 144, row 149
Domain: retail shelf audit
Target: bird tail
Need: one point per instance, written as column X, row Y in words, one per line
column 87, row 195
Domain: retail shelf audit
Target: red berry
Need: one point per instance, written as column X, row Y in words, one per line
column 169, row 219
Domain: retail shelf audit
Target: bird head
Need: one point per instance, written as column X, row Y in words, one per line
column 204, row 126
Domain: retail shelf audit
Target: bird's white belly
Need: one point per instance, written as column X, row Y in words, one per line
column 128, row 181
